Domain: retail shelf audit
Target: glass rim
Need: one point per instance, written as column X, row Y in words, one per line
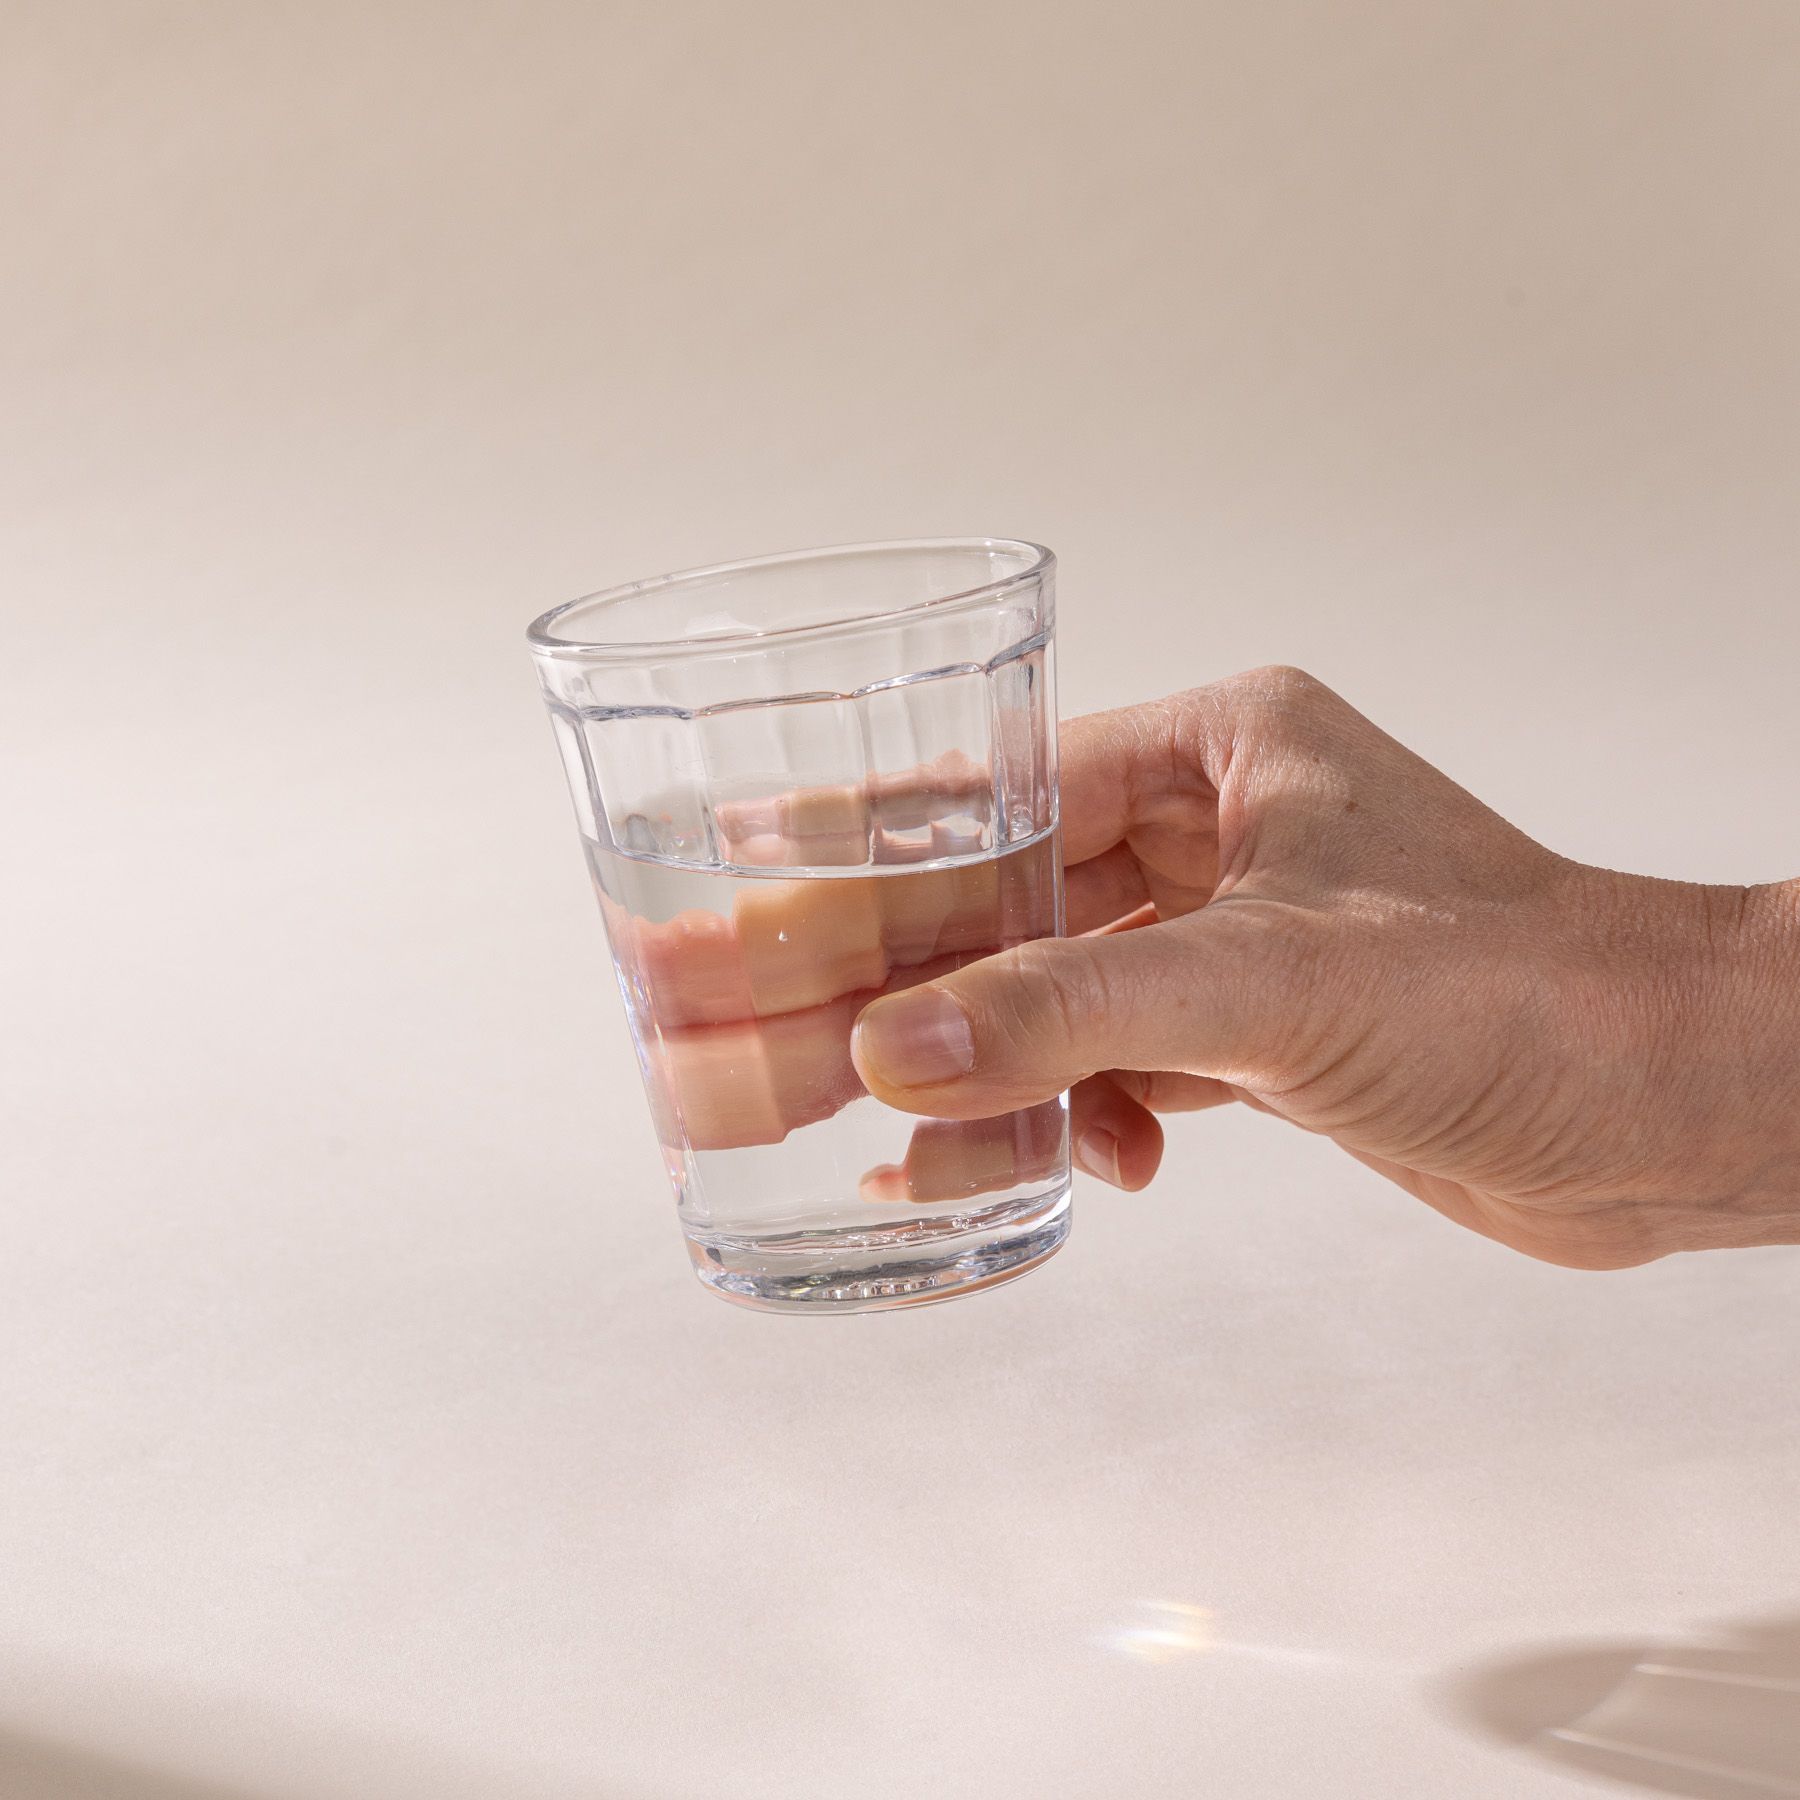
column 544, row 641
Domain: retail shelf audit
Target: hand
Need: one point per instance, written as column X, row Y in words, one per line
column 1596, row 1069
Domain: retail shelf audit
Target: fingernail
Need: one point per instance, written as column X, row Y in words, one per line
column 1097, row 1152
column 885, row 1186
column 916, row 1039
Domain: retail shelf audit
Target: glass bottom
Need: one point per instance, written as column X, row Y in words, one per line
column 850, row 1271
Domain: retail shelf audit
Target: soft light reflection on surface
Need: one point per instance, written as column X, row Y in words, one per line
column 1166, row 1630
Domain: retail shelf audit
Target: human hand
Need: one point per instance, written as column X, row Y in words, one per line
column 1593, row 1068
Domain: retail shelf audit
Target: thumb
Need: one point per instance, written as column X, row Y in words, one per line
column 1016, row 1028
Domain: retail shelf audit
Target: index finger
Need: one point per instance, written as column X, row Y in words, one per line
column 1116, row 769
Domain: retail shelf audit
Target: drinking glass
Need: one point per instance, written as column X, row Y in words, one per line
column 802, row 782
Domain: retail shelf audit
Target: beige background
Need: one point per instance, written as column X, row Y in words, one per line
column 365, row 1437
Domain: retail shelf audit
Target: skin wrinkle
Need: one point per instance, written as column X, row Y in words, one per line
column 1547, row 1133
column 1063, row 996
column 1492, row 1099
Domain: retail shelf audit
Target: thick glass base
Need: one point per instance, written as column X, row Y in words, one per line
column 852, row 1271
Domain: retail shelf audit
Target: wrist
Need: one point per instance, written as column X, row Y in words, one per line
column 1747, row 1025
column 1772, row 929
column 1693, row 1008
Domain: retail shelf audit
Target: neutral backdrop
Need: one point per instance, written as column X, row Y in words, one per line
column 363, row 1434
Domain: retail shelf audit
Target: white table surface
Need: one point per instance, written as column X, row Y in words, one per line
column 363, row 1435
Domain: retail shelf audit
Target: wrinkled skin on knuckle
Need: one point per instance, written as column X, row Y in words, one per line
column 1283, row 974
column 1293, row 756
column 1046, row 1005
column 1281, row 687
column 1285, row 712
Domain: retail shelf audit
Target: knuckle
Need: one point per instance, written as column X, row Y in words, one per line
column 1287, row 681
column 1287, row 705
column 1282, row 686
column 1279, row 709
column 1056, row 989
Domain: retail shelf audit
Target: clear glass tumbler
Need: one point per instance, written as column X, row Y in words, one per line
column 802, row 782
